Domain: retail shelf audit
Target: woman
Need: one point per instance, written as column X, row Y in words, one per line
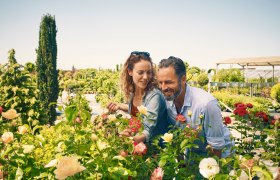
column 139, row 86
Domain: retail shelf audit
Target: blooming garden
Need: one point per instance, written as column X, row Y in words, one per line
column 79, row 145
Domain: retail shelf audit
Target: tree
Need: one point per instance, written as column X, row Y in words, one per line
column 12, row 59
column 47, row 74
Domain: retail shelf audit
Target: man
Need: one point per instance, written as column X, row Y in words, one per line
column 194, row 104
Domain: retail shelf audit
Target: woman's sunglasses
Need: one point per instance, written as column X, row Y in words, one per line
column 146, row 54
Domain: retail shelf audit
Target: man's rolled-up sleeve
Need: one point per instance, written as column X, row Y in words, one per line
column 213, row 125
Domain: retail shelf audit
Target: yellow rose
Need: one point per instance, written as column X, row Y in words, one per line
column 167, row 137
column 94, row 137
column 28, row 148
column 189, row 113
column 112, row 117
column 142, row 110
column 10, row 114
column 22, row 129
column 7, row 137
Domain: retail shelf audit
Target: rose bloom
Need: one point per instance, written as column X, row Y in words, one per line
column 247, row 164
column 94, row 137
column 140, row 149
column 249, row 105
column 167, row 137
column 227, row 120
column 7, row 137
column 248, row 140
column 157, row 174
column 68, row 166
column 1, row 109
column 142, row 110
column 208, row 167
column 10, row 114
column 22, row 129
column 112, row 117
column 180, row 118
column 189, row 113
column 236, row 104
column 104, row 116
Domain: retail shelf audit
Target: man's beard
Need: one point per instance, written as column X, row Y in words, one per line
column 176, row 93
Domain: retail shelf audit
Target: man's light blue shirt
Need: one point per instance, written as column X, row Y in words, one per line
column 202, row 104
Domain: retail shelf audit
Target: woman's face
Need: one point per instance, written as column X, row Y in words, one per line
column 141, row 74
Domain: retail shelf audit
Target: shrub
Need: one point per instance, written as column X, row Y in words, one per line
column 275, row 92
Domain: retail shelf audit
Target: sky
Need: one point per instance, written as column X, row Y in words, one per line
column 103, row 33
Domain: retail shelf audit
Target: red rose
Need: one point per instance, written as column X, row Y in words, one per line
column 242, row 112
column 241, row 106
column 236, row 104
column 227, row 120
column 249, row 105
column 262, row 115
column 180, row 118
column 1, row 109
column 134, row 124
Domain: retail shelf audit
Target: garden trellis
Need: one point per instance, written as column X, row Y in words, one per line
column 253, row 61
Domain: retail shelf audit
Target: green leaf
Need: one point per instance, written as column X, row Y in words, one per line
column 183, row 143
column 265, row 172
column 162, row 162
column 42, row 175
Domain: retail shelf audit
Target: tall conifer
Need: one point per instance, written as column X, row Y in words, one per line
column 47, row 73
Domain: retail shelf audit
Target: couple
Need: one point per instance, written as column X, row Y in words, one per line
column 139, row 83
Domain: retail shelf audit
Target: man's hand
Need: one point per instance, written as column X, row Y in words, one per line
column 126, row 133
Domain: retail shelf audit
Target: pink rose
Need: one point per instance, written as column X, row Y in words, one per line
column 180, row 118
column 157, row 174
column 140, row 149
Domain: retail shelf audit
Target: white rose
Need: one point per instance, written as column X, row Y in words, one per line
column 28, row 148
column 208, row 167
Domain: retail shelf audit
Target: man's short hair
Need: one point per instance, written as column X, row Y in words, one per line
column 177, row 63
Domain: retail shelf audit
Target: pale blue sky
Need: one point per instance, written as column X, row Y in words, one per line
column 102, row 33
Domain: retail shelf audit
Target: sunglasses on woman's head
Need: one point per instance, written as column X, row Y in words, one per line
column 140, row 53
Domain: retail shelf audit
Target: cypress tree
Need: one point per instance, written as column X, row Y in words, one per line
column 47, row 74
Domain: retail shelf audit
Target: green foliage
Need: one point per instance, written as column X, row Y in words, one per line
column 202, row 79
column 260, row 104
column 275, row 92
column 47, row 73
column 17, row 91
column 228, row 75
column 107, row 87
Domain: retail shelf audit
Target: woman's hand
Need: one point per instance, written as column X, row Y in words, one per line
column 113, row 107
column 139, row 138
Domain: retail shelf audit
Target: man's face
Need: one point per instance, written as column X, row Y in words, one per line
column 169, row 83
